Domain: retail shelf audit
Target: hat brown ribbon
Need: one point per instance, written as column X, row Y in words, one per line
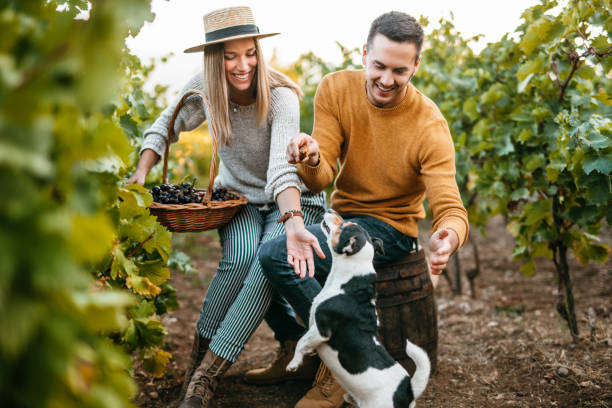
column 228, row 24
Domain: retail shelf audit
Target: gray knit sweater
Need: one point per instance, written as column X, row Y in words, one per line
column 255, row 165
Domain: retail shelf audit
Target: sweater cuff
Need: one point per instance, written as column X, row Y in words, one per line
column 155, row 142
column 289, row 179
column 459, row 227
column 282, row 187
column 306, row 171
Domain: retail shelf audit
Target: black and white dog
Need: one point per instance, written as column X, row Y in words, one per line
column 343, row 326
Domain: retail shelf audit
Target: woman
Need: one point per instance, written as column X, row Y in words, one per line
column 255, row 111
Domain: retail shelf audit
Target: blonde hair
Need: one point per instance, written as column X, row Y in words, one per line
column 265, row 79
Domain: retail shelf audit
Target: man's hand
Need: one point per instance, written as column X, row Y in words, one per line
column 442, row 244
column 303, row 149
column 300, row 243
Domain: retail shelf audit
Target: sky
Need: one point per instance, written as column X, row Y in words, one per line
column 307, row 25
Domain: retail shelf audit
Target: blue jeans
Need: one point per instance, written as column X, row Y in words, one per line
column 300, row 292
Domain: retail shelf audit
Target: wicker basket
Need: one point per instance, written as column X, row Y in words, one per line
column 195, row 217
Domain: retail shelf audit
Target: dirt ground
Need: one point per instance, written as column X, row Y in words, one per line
column 507, row 347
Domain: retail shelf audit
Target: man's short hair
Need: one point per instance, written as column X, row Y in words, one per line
column 398, row 27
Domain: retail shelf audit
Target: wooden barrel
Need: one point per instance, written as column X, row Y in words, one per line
column 406, row 308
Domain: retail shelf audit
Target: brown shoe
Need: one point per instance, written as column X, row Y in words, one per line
column 204, row 381
column 277, row 372
column 325, row 393
column 200, row 345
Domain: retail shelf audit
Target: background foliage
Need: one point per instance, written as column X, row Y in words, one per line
column 531, row 119
column 83, row 276
column 57, row 133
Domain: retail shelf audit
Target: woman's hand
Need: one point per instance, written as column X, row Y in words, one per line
column 137, row 178
column 145, row 164
column 300, row 243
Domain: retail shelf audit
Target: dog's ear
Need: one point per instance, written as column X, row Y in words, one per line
column 379, row 248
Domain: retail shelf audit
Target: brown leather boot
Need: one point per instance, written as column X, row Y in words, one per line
column 325, row 392
column 277, row 372
column 200, row 345
column 204, row 381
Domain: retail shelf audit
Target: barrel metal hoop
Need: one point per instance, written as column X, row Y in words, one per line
column 392, row 274
column 411, row 265
column 403, row 298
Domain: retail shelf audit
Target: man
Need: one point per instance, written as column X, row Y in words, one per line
column 394, row 148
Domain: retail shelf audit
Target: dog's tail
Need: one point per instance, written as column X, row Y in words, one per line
column 423, row 367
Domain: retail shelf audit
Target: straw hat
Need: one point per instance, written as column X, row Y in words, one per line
column 228, row 24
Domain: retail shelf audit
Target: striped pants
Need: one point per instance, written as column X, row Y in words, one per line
column 239, row 295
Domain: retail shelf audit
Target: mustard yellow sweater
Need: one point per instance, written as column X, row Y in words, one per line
column 390, row 159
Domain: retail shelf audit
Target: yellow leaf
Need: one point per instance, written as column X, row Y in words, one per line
column 155, row 361
column 529, row 67
column 142, row 286
column 528, row 268
column 603, row 97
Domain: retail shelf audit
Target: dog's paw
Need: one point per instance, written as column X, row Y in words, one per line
column 294, row 365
